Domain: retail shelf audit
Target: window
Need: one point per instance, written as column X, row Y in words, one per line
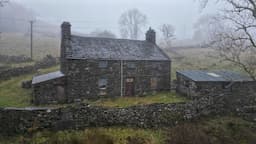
column 131, row 65
column 103, row 64
column 102, row 83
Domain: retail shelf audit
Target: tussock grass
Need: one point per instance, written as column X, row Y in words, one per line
column 112, row 135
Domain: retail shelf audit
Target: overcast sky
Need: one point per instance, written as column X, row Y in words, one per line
column 88, row 15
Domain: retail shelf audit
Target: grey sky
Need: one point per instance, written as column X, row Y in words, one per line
column 88, row 15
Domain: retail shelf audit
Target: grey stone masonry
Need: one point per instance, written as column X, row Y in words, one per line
column 83, row 77
column 104, row 67
column 20, row 121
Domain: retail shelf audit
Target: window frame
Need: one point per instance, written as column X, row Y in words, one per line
column 103, row 64
column 102, row 83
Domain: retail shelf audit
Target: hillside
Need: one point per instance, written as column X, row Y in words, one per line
column 19, row 44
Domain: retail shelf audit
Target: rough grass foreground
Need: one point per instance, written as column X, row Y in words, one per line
column 218, row 130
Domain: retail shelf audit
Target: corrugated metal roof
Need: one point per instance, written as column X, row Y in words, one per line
column 218, row 76
column 114, row 49
column 46, row 77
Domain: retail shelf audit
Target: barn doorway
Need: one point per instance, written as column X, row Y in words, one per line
column 129, row 87
column 60, row 93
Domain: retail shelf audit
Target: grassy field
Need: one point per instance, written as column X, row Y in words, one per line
column 163, row 97
column 198, row 59
column 19, row 44
column 11, row 93
column 218, row 130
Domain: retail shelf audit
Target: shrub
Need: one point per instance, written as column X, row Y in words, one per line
column 187, row 134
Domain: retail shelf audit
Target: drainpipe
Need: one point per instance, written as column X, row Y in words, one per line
column 122, row 78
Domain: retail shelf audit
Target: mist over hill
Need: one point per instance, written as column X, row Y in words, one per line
column 15, row 18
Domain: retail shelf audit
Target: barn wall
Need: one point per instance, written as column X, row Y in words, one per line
column 83, row 77
column 50, row 92
column 233, row 90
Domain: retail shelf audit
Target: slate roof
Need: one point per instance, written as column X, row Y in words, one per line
column 46, row 77
column 214, row 76
column 114, row 49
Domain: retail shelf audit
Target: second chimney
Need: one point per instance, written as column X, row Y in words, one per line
column 151, row 36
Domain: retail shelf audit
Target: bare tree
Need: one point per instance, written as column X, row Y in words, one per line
column 2, row 2
column 236, row 41
column 131, row 23
column 204, row 27
column 104, row 34
column 167, row 31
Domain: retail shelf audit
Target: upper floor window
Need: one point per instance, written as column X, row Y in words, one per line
column 131, row 65
column 103, row 64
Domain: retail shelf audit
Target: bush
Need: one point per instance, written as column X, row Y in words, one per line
column 137, row 140
column 187, row 134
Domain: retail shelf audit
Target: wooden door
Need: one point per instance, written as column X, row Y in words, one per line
column 129, row 87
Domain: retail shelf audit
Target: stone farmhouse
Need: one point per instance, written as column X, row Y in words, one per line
column 199, row 83
column 93, row 68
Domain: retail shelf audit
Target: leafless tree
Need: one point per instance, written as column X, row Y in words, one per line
column 204, row 29
column 2, row 2
column 236, row 41
column 167, row 31
column 131, row 23
column 104, row 34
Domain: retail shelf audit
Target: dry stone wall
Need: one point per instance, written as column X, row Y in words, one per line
column 48, row 61
column 80, row 116
column 14, row 59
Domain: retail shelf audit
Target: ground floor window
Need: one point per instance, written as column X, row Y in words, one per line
column 102, row 84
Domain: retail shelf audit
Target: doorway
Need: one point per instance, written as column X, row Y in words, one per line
column 129, row 87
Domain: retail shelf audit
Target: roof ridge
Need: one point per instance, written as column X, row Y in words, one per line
column 91, row 37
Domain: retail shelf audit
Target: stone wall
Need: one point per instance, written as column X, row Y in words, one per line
column 46, row 62
column 50, row 92
column 83, row 77
column 81, row 116
column 14, row 59
column 194, row 90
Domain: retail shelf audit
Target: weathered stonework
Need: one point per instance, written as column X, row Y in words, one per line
column 104, row 67
column 18, row 120
column 50, row 92
column 196, row 89
column 83, row 77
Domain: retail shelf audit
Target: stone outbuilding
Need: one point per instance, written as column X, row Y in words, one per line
column 198, row 83
column 93, row 68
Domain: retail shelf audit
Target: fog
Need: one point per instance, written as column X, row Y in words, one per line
column 88, row 15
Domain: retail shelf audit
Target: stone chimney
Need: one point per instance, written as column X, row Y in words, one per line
column 65, row 50
column 151, row 36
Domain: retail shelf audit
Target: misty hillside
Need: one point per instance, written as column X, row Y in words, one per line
column 15, row 18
